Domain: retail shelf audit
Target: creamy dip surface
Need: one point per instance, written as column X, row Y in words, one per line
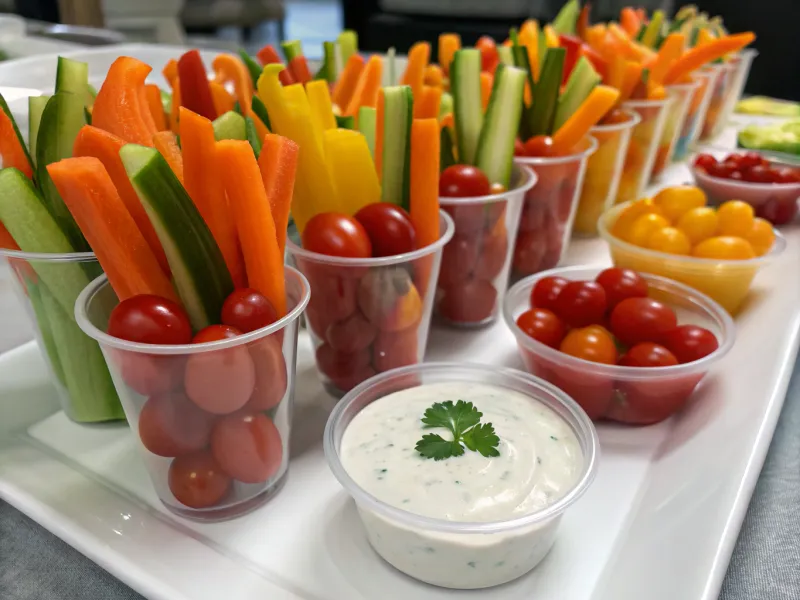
column 540, row 457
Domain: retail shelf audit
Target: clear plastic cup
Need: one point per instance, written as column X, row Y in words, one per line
column 716, row 119
column 475, row 263
column 369, row 315
column 696, row 115
column 48, row 285
column 643, row 145
column 460, row 554
column 743, row 61
column 548, row 212
column 603, row 172
column 212, row 420
column 676, row 116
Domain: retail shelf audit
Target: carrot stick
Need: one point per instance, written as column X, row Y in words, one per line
column 594, row 108
column 223, row 101
column 670, row 51
column 229, row 69
column 278, row 165
column 366, row 92
column 121, row 249
column 448, row 44
column 12, row 154
column 6, row 241
column 418, row 58
column 105, row 147
column 156, row 108
column 119, row 106
column 429, row 103
column 268, row 56
column 631, row 76
column 166, row 143
column 487, row 81
column 170, row 72
column 378, row 157
column 434, row 75
column 699, row 55
column 254, row 222
column 261, row 129
column 424, row 201
column 344, row 88
column 629, row 21
column 174, row 114
column 298, row 67
column 204, row 184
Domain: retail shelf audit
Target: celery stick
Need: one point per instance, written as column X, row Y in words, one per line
column 506, row 55
column 567, row 18
column 367, row 123
column 390, row 68
column 292, row 49
column 446, row 106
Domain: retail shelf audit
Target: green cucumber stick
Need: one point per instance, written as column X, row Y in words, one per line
column 348, row 44
column 567, row 18
column 330, row 63
column 465, row 85
column 36, row 106
column 580, row 84
column 347, row 122
column 653, row 29
column 506, row 55
column 261, row 111
column 72, row 76
column 367, row 125
column 446, row 157
column 7, row 111
column 252, row 66
column 166, row 101
column 43, row 321
column 252, row 135
column 398, row 108
column 545, row 94
column 230, row 126
column 292, row 49
column 446, row 106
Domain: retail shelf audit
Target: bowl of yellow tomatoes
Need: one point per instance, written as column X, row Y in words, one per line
column 716, row 250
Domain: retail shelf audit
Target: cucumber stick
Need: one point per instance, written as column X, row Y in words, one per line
column 36, row 106
column 348, row 122
column 506, row 55
column 4, row 107
column 260, row 109
column 367, row 125
column 230, row 126
column 581, row 82
column 252, row 66
column 465, row 86
column 496, row 145
column 201, row 277
column 292, row 49
column 348, row 44
column 252, row 136
column 446, row 157
column 545, row 94
column 398, row 109
column 446, row 106
column 72, row 76
column 653, row 29
column 390, row 68
column 45, row 329
column 567, row 18
column 331, row 62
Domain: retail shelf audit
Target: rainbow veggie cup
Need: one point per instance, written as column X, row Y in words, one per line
column 603, row 172
column 47, row 285
column 549, row 209
column 476, row 262
column 696, row 114
column 743, row 61
column 212, row 420
column 369, row 315
column 676, row 115
column 715, row 115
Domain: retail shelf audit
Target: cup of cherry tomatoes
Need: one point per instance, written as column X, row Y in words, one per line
column 211, row 410
column 628, row 347
column 475, row 263
column 372, row 291
column 548, row 211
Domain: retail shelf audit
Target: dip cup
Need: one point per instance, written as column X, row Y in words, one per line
column 47, row 285
column 453, row 554
column 548, row 212
column 209, row 456
column 696, row 114
column 676, row 116
column 603, row 172
column 369, row 315
column 716, row 119
column 475, row 263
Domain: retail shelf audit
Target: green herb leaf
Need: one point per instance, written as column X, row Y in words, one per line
column 456, row 417
column 436, row 447
column 462, row 419
column 483, row 439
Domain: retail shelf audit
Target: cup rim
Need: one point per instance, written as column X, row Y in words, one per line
column 534, row 161
column 702, row 177
column 55, row 257
column 690, row 85
column 531, row 178
column 660, row 103
column 632, row 121
column 105, row 339
column 379, row 261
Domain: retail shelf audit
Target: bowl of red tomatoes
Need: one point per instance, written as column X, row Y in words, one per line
column 628, row 347
column 772, row 189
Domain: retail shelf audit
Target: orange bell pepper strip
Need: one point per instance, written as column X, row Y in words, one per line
column 366, row 92
column 174, row 114
column 156, row 108
column 344, row 88
column 223, row 101
column 170, row 72
column 429, row 103
column 229, row 69
column 278, row 165
column 582, row 23
column 631, row 76
column 166, row 143
column 700, row 55
column 418, row 58
column 593, row 109
column 449, row 43
column 12, row 153
column 670, row 51
column 629, row 21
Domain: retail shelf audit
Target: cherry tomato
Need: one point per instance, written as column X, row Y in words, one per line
column 540, row 145
column 643, row 402
column 214, row 333
column 581, row 303
column 519, row 148
column 761, row 237
column 493, row 253
column 670, row 240
column 197, row 481
column 723, row 170
column 638, row 320
column 620, row 284
column 758, row 174
column 490, row 57
column 735, row 218
column 459, row 258
column 463, row 181
column 676, row 200
column 699, row 224
column 529, row 252
column 396, row 349
column 690, row 342
column 748, row 160
column 335, row 234
column 351, row 335
column 786, row 175
column 333, row 298
column 471, row 301
column 545, row 293
column 150, row 374
column 590, row 343
column 778, row 211
column 648, row 354
column 149, row 319
column 724, row 247
column 389, row 228
column 345, row 370
column 271, row 374
column 247, row 446
column 247, row 309
column 542, row 325
column 171, row 425
column 644, row 227
column 389, row 299
column 704, row 161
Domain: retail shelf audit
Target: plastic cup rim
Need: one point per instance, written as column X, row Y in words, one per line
column 660, row 103
column 55, row 257
column 534, row 161
column 633, row 120
column 749, row 185
column 531, row 179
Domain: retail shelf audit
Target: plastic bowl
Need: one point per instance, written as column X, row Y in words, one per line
column 212, row 420
column 449, row 553
column 632, row 395
column 726, row 281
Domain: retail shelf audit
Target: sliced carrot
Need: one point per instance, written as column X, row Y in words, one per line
column 12, row 154
column 344, row 88
column 223, row 101
column 379, row 118
column 366, row 92
column 424, row 202
column 119, row 106
column 418, row 58
column 203, row 178
column 594, row 108
column 629, row 21
column 447, row 121
column 174, row 114
column 170, row 72
column 156, row 108
column 105, row 147
column 229, row 69
column 700, row 55
column 124, row 254
column 487, row 81
column 166, row 143
column 670, row 51
column 631, row 76
column 6, row 241
column 278, row 165
column 429, row 103
column 298, row 67
column 268, row 56
column 434, row 75
column 254, row 223
column 449, row 43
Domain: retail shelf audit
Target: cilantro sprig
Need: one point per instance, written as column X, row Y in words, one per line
column 464, row 422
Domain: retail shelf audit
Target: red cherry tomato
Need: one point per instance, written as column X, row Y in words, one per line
column 749, row 159
column 519, row 148
column 543, row 325
column 247, row 309
column 590, row 343
column 648, row 354
column 335, row 234
column 247, row 446
column 351, row 335
column 786, row 175
column 690, row 342
column 214, row 333
column 758, row 174
column 149, row 374
column 470, row 301
column 149, row 319
column 530, row 252
column 540, row 145
column 493, row 253
column 777, row 210
column 638, row 320
column 490, row 57
column 345, row 370
column 620, row 284
column 459, row 258
column 463, row 181
column 581, row 303
column 397, row 349
column 197, row 481
column 546, row 291
column 724, row 170
column 171, row 425
column 389, row 228
column 271, row 375
column 704, row 161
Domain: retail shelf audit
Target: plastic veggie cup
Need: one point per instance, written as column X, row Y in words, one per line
column 48, row 285
column 682, row 94
column 715, row 115
column 603, row 172
column 696, row 115
column 549, row 209
column 742, row 62
column 369, row 315
column 212, row 420
column 476, row 262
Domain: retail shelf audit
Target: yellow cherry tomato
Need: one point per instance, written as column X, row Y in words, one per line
column 622, row 226
column 727, row 247
column 678, row 200
column 761, row 236
column 671, row 240
column 735, row 218
column 699, row 223
column 644, row 227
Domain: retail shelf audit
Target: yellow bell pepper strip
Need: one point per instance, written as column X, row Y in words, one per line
column 670, row 51
column 700, row 55
column 594, row 108
column 229, row 69
column 344, row 88
column 529, row 37
column 366, row 92
column 269, row 56
column 319, row 98
column 448, row 44
column 550, row 36
column 351, row 167
column 418, row 58
column 705, row 36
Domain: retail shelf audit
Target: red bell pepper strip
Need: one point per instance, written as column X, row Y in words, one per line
column 573, row 47
column 299, row 68
column 268, row 56
column 195, row 91
column 120, row 107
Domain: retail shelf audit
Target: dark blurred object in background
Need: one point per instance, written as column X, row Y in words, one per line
column 40, row 10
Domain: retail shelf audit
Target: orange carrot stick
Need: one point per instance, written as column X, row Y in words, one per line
column 629, row 21
column 631, row 76
column 424, row 202
column 174, row 114
column 278, row 164
column 487, row 81
column 203, row 178
column 223, row 101
column 670, row 51
column 434, row 75
column 418, row 58
column 344, row 88
column 254, row 222
column 120, row 107
column 429, row 103
column 298, row 67
column 229, row 69
column 153, row 95
column 448, row 44
column 12, row 154
column 366, row 92
column 594, row 108
column 170, row 72
column 121, row 249
column 166, row 143
column 6, row 241
column 699, row 55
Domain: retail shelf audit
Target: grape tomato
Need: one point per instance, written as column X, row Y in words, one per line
column 690, row 342
column 463, row 181
column 336, row 234
column 543, row 325
column 171, row 425
column 620, row 284
column 637, row 320
column 581, row 303
column 197, row 481
column 389, row 228
column 149, row 319
column 546, row 291
column 247, row 446
column 215, row 333
column 590, row 343
column 247, row 309
column 648, row 354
